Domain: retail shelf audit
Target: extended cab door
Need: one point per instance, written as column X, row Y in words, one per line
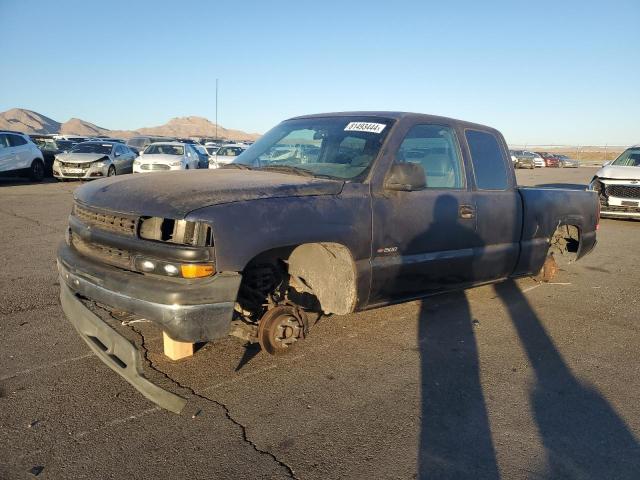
column 425, row 241
column 498, row 205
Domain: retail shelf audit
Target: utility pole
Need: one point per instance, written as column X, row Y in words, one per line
column 216, row 109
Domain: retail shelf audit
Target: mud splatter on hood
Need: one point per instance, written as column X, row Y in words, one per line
column 175, row 194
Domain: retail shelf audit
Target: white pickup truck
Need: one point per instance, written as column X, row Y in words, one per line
column 618, row 184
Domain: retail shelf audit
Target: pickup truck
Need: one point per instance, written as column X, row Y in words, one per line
column 378, row 208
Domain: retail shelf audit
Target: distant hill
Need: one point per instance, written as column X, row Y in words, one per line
column 28, row 121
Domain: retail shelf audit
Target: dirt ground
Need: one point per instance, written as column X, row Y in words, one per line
column 519, row 380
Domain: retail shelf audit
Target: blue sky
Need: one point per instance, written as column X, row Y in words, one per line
column 541, row 72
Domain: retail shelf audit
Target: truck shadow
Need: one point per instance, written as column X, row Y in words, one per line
column 582, row 435
column 455, row 435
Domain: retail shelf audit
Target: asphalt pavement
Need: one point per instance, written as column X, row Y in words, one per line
column 520, row 380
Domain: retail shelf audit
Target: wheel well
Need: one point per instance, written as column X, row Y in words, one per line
column 316, row 276
column 565, row 243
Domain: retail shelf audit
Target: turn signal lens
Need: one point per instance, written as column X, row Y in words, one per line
column 197, row 270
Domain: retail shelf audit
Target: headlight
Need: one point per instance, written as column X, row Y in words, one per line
column 99, row 164
column 170, row 269
column 176, row 164
column 136, row 162
column 56, row 162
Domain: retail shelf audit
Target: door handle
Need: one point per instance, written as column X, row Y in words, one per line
column 466, row 211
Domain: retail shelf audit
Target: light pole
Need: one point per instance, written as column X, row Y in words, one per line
column 216, row 109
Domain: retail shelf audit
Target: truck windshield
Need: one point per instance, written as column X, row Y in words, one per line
column 629, row 158
column 337, row 147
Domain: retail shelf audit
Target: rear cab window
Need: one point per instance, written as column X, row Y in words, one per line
column 489, row 163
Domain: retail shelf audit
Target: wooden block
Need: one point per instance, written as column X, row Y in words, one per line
column 176, row 350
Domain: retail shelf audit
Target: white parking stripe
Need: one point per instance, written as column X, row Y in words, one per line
column 42, row 367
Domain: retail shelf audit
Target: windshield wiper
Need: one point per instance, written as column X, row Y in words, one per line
column 297, row 171
column 240, row 166
column 288, row 169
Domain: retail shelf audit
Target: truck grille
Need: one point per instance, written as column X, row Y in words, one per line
column 106, row 221
column 623, row 191
column 103, row 253
column 154, row 166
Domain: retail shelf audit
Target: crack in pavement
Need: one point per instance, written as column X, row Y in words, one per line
column 227, row 412
column 30, row 220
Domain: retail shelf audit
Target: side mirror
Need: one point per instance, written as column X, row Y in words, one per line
column 406, row 177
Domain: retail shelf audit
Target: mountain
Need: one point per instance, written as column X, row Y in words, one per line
column 28, row 121
column 75, row 126
column 195, row 127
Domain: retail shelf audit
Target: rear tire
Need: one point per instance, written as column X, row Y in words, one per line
column 36, row 172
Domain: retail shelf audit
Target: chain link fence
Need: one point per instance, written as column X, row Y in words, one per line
column 586, row 154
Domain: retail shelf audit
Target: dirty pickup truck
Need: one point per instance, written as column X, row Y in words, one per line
column 362, row 210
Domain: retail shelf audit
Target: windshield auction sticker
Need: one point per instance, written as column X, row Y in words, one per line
column 364, row 127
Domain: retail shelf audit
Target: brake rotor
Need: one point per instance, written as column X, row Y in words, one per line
column 280, row 328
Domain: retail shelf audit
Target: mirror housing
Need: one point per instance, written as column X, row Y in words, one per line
column 405, row 177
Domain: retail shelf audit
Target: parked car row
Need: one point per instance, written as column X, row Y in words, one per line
column 528, row 159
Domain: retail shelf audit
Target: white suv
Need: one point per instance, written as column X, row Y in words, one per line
column 19, row 156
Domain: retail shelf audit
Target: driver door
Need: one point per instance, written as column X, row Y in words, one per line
column 425, row 241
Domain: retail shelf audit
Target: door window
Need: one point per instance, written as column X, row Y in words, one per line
column 488, row 160
column 435, row 147
column 4, row 141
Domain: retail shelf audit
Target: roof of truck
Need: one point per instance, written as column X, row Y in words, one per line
column 397, row 116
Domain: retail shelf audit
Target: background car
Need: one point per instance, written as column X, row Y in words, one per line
column 140, row 142
column 50, row 148
column 20, row 157
column 90, row 160
column 567, row 162
column 525, row 159
column 550, row 160
column 226, row 154
column 212, row 149
column 514, row 159
column 163, row 156
column 203, row 156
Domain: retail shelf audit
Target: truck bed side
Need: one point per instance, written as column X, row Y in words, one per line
column 544, row 210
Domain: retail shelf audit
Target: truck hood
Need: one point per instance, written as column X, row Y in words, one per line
column 619, row 172
column 175, row 194
column 81, row 157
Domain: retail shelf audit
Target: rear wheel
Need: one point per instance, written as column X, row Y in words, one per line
column 111, row 172
column 36, row 172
